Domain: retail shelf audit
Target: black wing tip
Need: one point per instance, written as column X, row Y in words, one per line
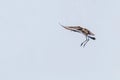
column 62, row 25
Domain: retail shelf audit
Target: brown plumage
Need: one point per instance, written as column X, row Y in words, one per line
column 88, row 34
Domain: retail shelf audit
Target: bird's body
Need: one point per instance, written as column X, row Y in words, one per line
column 82, row 30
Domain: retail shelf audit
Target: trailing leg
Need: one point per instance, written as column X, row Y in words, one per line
column 84, row 41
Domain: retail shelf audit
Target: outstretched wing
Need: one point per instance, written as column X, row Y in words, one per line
column 73, row 28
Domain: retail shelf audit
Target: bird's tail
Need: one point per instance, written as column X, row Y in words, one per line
column 93, row 38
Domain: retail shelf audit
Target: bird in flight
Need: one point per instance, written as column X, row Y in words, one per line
column 88, row 34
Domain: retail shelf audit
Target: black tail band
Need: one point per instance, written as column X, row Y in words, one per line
column 92, row 37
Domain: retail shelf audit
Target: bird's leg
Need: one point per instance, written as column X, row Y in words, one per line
column 84, row 41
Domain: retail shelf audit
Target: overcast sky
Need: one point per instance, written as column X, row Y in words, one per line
column 33, row 46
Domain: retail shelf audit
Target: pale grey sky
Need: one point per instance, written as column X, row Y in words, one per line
column 33, row 46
